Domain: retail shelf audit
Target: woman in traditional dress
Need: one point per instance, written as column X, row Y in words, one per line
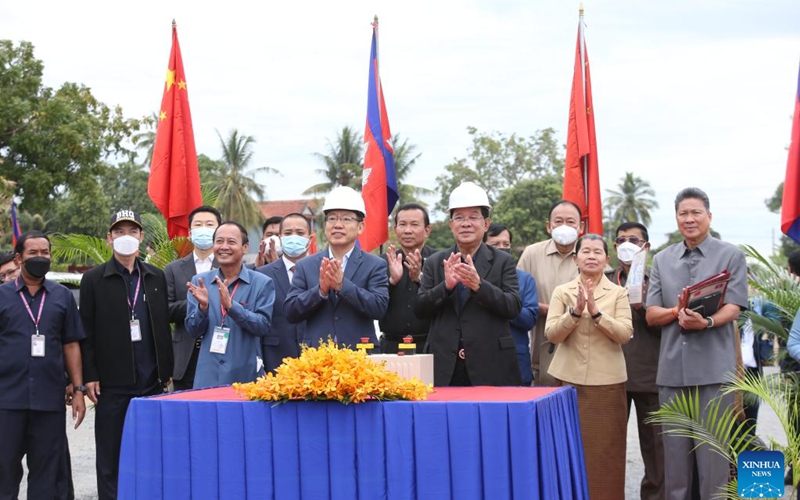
column 589, row 320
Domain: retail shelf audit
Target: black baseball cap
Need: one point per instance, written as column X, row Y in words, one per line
column 123, row 215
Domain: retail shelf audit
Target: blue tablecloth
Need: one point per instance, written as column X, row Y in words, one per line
column 465, row 443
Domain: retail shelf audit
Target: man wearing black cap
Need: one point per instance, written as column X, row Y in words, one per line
column 127, row 352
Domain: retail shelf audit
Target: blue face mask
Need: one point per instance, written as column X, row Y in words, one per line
column 203, row 237
column 294, row 245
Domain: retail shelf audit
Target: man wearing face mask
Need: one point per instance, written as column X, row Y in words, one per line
column 127, row 352
column 551, row 264
column 202, row 223
column 269, row 249
column 9, row 269
column 284, row 338
column 499, row 237
column 39, row 332
column 641, row 361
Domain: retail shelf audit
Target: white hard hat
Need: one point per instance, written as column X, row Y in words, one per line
column 468, row 194
column 345, row 198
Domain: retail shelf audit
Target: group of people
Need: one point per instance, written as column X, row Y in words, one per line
column 556, row 317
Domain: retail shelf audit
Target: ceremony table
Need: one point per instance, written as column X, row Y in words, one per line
column 462, row 443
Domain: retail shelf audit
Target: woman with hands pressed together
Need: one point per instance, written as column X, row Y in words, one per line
column 589, row 320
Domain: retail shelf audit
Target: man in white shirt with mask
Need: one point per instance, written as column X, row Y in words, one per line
column 202, row 223
column 551, row 264
column 284, row 338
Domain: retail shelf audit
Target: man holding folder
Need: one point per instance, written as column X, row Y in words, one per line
column 697, row 347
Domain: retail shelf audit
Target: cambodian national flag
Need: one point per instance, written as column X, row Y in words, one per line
column 379, row 180
column 15, row 232
column 790, row 210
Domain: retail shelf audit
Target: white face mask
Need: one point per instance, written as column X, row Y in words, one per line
column 564, row 235
column 278, row 248
column 126, row 245
column 626, row 251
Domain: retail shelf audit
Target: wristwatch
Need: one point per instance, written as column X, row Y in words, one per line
column 597, row 315
column 710, row 322
column 81, row 388
column 573, row 313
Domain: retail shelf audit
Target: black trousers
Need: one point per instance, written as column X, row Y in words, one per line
column 187, row 382
column 108, row 422
column 39, row 434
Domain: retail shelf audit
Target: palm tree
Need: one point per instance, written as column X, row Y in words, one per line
column 344, row 163
column 147, row 140
column 234, row 189
column 633, row 201
column 404, row 160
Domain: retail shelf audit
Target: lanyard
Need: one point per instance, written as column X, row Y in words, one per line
column 132, row 306
column 222, row 309
column 30, row 313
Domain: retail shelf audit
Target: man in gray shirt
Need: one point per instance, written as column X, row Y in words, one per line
column 697, row 351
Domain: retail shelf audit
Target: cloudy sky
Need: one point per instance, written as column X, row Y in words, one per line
column 686, row 92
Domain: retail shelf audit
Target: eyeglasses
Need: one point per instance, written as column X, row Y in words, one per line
column 633, row 239
column 8, row 275
column 472, row 219
column 334, row 219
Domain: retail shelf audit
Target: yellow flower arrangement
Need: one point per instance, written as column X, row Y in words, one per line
column 328, row 373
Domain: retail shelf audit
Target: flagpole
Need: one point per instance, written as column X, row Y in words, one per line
column 585, row 159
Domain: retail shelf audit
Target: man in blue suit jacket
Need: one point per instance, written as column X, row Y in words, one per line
column 341, row 291
column 284, row 338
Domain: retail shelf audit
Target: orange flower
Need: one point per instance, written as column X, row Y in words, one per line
column 328, row 373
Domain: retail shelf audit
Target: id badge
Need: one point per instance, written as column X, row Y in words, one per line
column 37, row 346
column 136, row 332
column 219, row 342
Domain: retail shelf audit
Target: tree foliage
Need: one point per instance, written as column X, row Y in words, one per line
column 52, row 140
column 497, row 162
column 522, row 176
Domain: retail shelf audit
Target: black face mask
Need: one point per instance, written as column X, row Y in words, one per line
column 506, row 250
column 37, row 266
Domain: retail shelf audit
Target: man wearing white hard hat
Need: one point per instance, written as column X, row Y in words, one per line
column 341, row 291
column 470, row 292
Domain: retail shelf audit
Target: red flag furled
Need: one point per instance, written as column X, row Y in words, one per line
column 174, row 184
column 790, row 209
column 15, row 232
column 581, row 174
column 379, row 181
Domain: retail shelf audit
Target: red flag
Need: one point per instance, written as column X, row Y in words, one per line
column 379, row 181
column 581, row 174
column 790, row 209
column 174, row 184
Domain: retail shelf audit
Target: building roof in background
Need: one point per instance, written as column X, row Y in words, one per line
column 282, row 208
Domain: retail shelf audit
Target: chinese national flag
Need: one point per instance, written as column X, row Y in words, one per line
column 174, row 184
column 790, row 209
column 581, row 174
column 379, row 181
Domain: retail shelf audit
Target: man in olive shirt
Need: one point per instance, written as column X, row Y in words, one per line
column 551, row 264
column 698, row 351
column 641, row 362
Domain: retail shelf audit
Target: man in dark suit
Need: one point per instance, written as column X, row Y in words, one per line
column 284, row 338
column 342, row 290
column 202, row 223
column 412, row 226
column 470, row 292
